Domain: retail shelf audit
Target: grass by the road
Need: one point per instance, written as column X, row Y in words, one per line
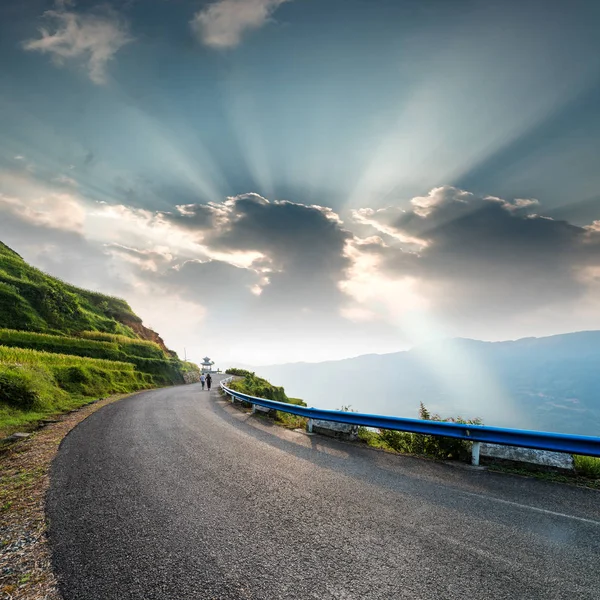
column 12, row 419
column 25, row 567
column 35, row 385
column 587, row 466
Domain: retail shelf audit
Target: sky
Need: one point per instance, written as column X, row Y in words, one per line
column 270, row 181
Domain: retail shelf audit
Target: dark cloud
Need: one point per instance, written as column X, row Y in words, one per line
column 151, row 260
column 216, row 284
column 288, row 291
column 303, row 247
column 483, row 255
column 475, row 259
column 302, row 237
column 194, row 217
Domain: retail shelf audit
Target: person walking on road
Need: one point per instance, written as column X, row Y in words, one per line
column 202, row 380
column 208, row 381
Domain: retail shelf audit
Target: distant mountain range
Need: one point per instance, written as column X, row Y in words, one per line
column 549, row 384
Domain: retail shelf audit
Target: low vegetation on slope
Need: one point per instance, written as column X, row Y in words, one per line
column 148, row 357
column 82, row 346
column 253, row 385
column 417, row 443
column 130, row 346
column 249, row 383
column 61, row 346
column 37, row 384
column 31, row 300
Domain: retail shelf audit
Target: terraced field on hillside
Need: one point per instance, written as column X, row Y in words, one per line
column 61, row 346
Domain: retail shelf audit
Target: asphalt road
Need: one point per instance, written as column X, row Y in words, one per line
column 173, row 494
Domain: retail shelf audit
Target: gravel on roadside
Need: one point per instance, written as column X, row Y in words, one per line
column 25, row 565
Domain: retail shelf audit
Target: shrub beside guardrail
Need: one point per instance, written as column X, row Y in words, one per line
column 538, row 440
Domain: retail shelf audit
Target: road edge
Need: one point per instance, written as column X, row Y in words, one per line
column 25, row 558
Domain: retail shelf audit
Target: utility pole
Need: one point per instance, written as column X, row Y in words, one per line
column 184, row 354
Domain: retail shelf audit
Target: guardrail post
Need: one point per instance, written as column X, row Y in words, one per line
column 232, row 399
column 475, row 453
column 309, row 426
column 253, row 408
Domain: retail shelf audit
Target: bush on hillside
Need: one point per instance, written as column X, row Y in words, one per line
column 54, row 303
column 588, row 466
column 165, row 371
column 16, row 311
column 28, row 387
column 253, row 385
column 238, row 372
column 16, row 390
column 43, row 387
column 430, row 445
column 93, row 381
column 104, row 336
column 51, row 375
column 59, row 344
column 30, row 392
column 128, row 345
column 142, row 349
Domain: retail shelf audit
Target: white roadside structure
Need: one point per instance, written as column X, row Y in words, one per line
column 207, row 364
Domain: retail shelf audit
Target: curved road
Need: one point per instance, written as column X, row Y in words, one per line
column 173, row 494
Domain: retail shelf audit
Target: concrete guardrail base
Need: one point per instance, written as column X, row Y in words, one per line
column 333, row 429
column 558, row 460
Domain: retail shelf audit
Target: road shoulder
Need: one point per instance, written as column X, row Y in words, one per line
column 25, row 564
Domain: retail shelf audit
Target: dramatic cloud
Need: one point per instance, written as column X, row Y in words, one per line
column 300, row 247
column 197, row 217
column 59, row 211
column 381, row 220
column 218, row 284
column 268, row 267
column 91, row 39
column 475, row 260
column 595, row 226
column 223, row 23
column 442, row 204
column 147, row 260
column 249, row 268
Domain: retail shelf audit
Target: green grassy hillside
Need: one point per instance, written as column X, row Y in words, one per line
column 123, row 348
column 30, row 300
column 148, row 357
column 249, row 383
column 61, row 346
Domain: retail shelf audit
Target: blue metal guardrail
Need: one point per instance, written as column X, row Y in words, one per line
column 539, row 440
